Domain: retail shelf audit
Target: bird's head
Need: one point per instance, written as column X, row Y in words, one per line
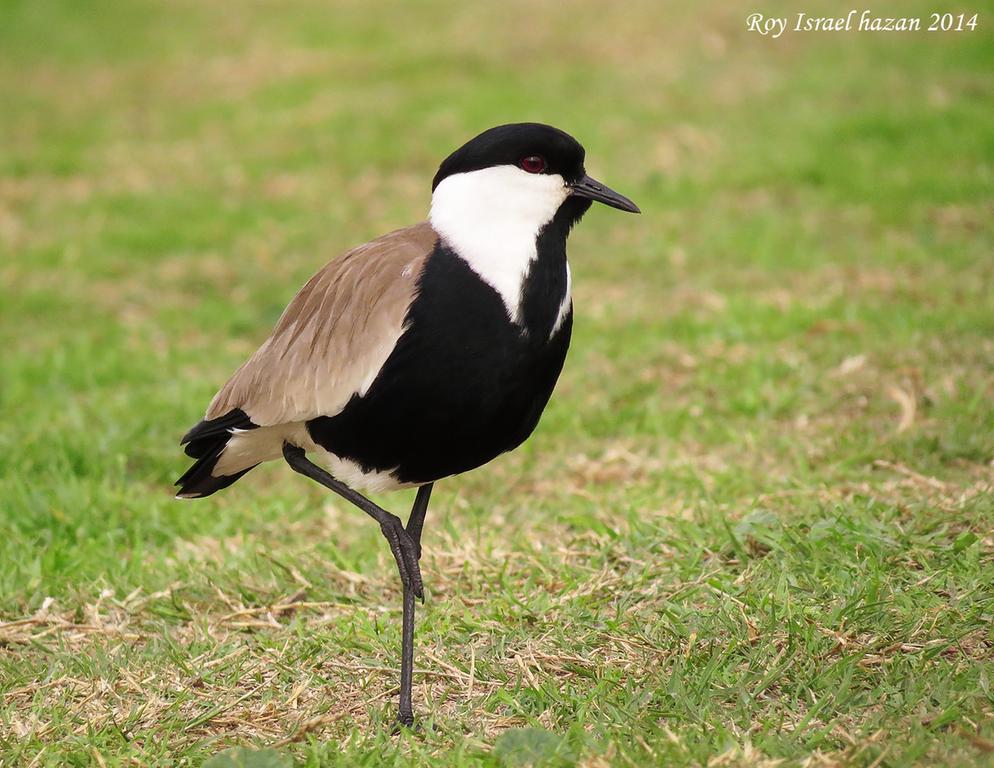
column 519, row 174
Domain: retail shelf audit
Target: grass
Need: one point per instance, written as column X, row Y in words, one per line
column 756, row 524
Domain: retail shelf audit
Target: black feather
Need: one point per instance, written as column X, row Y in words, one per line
column 205, row 443
column 212, row 428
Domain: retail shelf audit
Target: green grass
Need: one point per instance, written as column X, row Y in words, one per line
column 756, row 523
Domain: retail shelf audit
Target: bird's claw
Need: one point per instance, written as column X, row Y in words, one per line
column 406, row 553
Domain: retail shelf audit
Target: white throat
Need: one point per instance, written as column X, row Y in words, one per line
column 491, row 218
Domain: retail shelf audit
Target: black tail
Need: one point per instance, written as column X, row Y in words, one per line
column 205, row 442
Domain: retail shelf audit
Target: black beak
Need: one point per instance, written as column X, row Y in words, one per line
column 594, row 190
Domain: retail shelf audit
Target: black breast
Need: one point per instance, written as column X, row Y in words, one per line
column 464, row 383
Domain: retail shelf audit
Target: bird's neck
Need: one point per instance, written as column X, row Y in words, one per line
column 546, row 293
column 515, row 240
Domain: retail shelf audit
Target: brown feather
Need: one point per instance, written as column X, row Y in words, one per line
column 334, row 336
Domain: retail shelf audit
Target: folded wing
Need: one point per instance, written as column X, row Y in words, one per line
column 335, row 335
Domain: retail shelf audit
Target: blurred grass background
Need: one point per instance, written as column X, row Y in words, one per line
column 756, row 523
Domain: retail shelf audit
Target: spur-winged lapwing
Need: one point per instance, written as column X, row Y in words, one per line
column 422, row 354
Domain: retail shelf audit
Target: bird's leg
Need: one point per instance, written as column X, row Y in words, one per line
column 404, row 549
column 417, row 519
column 415, row 522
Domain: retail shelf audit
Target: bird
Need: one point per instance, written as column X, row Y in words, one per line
column 420, row 355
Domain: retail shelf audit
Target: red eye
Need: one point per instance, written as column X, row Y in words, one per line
column 533, row 164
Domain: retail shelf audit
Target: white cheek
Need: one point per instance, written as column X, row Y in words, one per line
column 492, row 217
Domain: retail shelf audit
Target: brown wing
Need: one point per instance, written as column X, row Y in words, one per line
column 335, row 335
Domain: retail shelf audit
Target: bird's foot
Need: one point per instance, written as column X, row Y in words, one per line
column 406, row 553
column 408, row 724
